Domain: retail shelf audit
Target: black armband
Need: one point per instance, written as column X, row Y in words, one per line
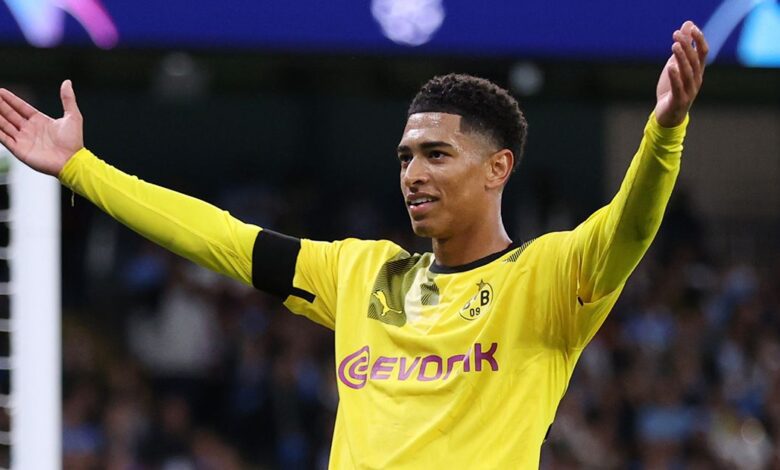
column 273, row 265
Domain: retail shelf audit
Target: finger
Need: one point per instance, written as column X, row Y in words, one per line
column 702, row 47
column 6, row 137
column 8, row 127
column 10, row 115
column 22, row 107
column 683, row 66
column 676, row 82
column 687, row 27
column 68, row 97
column 8, row 141
column 693, row 58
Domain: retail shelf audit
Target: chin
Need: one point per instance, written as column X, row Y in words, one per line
column 421, row 231
column 425, row 230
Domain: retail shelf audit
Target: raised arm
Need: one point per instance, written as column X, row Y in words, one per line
column 185, row 225
column 304, row 272
column 613, row 240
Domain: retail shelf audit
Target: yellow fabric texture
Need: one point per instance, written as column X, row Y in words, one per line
column 187, row 226
column 446, row 385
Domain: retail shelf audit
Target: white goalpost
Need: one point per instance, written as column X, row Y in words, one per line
column 34, row 327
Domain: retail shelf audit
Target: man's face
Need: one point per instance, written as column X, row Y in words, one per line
column 443, row 172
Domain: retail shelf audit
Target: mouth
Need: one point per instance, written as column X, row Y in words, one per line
column 419, row 205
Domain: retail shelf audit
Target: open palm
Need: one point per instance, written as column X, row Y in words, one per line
column 43, row 143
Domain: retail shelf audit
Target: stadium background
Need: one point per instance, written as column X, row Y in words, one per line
column 168, row 366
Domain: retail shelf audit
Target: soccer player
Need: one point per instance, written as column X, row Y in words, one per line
column 452, row 359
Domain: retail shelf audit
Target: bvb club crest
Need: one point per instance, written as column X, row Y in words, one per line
column 479, row 304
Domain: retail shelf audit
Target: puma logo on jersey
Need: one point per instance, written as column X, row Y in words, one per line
column 380, row 296
column 479, row 303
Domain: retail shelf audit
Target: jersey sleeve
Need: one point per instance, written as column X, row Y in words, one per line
column 599, row 255
column 332, row 277
column 187, row 226
column 306, row 274
column 316, row 277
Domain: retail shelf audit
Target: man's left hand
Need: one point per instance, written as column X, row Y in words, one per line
column 682, row 76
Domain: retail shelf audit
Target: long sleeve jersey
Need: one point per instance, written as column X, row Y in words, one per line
column 437, row 367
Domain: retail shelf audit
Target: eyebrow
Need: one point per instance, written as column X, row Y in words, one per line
column 425, row 146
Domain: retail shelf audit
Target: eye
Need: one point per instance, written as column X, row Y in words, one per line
column 404, row 158
column 436, row 155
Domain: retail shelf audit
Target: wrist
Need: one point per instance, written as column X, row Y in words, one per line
column 671, row 119
column 664, row 135
column 67, row 170
column 61, row 160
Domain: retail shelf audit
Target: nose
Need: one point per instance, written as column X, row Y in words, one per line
column 415, row 173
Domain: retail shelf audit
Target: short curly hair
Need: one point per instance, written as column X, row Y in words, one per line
column 484, row 107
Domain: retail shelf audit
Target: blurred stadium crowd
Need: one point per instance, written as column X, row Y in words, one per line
column 172, row 367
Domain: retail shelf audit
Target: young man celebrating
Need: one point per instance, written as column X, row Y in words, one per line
column 456, row 358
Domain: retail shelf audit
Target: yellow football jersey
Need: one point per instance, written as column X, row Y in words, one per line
column 464, row 367
column 437, row 367
column 447, row 368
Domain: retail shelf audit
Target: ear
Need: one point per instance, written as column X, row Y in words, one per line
column 498, row 167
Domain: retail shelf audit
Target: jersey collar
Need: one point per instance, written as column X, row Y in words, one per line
column 439, row 269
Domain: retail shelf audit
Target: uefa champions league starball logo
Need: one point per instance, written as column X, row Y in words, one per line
column 408, row 22
column 43, row 21
column 758, row 44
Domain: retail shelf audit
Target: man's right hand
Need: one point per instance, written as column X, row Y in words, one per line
column 42, row 143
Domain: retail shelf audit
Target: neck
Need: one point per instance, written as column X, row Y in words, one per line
column 469, row 246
